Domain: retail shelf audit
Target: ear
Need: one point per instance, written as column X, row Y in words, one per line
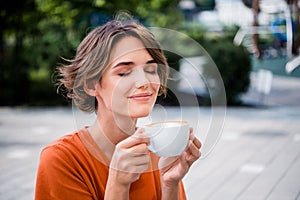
column 91, row 87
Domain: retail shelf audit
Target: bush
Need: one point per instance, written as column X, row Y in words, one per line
column 234, row 65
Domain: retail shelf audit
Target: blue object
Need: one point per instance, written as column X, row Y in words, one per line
column 276, row 24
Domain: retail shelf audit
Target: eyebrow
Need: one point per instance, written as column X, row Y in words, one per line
column 131, row 63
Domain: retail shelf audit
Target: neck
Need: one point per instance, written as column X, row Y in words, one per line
column 110, row 130
column 117, row 128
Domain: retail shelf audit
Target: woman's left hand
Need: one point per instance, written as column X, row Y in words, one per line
column 173, row 169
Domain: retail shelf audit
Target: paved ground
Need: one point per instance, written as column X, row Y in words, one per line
column 256, row 157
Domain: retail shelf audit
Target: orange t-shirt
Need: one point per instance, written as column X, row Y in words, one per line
column 74, row 167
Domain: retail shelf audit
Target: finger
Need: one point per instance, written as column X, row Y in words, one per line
column 192, row 136
column 197, row 143
column 139, row 169
column 140, row 160
column 131, row 164
column 194, row 152
column 191, row 133
column 137, row 138
column 140, row 164
column 166, row 162
column 184, row 161
column 139, row 149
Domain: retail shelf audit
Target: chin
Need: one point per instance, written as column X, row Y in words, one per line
column 140, row 112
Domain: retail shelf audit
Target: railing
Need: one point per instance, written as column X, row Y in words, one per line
column 292, row 64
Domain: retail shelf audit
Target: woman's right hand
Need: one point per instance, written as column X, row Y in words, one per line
column 129, row 160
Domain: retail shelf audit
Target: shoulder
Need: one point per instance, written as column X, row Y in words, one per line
column 64, row 150
column 69, row 138
column 61, row 170
column 63, row 143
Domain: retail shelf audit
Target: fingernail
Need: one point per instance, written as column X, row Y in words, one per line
column 140, row 131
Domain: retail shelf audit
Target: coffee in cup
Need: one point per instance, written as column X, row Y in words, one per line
column 168, row 138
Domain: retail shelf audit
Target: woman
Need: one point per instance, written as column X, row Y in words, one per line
column 118, row 72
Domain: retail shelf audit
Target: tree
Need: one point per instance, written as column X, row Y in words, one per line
column 16, row 24
column 35, row 33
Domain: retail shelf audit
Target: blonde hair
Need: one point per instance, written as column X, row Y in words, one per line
column 92, row 59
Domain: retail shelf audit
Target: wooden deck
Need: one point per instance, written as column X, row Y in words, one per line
column 257, row 157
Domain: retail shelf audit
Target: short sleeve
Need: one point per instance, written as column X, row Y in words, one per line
column 57, row 177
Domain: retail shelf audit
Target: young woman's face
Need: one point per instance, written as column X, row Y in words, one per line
column 130, row 85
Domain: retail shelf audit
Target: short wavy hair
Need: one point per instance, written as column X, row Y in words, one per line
column 92, row 59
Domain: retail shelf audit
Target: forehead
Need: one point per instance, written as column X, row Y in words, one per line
column 127, row 47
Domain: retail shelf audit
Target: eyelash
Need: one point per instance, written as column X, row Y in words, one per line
column 152, row 72
column 124, row 74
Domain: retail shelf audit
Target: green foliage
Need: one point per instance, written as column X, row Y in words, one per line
column 163, row 13
column 234, row 65
column 14, row 64
column 206, row 4
column 35, row 35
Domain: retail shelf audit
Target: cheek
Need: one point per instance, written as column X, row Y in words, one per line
column 122, row 86
column 109, row 91
column 155, row 83
column 119, row 92
column 114, row 86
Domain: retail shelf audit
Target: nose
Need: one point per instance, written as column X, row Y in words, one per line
column 141, row 79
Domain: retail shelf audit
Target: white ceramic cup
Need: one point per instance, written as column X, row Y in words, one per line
column 168, row 138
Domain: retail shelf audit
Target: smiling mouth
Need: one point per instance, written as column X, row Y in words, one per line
column 141, row 97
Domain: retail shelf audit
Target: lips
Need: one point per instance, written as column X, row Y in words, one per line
column 141, row 96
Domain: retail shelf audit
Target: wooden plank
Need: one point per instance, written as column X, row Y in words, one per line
column 289, row 186
column 222, row 171
column 207, row 165
column 204, row 167
column 298, row 196
column 249, row 170
column 264, row 184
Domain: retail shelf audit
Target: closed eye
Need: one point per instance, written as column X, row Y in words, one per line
column 151, row 68
column 124, row 74
column 125, row 68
